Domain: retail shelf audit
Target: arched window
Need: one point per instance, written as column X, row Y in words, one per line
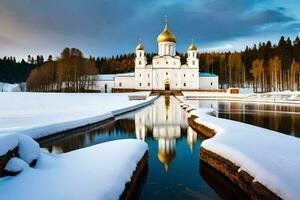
column 120, row 84
column 193, row 62
column 184, row 84
column 183, row 75
column 167, row 73
column 140, row 62
column 140, row 84
column 149, row 84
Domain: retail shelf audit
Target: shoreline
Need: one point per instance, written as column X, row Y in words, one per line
column 242, row 179
column 93, row 125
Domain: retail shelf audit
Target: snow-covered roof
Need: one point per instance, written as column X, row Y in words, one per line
column 126, row 74
column 206, row 74
column 106, row 77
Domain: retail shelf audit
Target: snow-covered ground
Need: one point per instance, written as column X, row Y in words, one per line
column 7, row 87
column 272, row 97
column 42, row 114
column 270, row 157
column 92, row 173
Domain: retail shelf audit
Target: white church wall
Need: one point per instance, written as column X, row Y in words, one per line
column 208, row 83
column 143, row 79
column 104, row 86
column 124, row 82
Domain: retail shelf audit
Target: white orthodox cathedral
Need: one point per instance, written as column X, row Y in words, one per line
column 165, row 72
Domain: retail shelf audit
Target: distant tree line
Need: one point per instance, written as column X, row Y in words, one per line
column 12, row 71
column 268, row 67
column 69, row 73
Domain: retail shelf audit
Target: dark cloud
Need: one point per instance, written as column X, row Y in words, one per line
column 108, row 27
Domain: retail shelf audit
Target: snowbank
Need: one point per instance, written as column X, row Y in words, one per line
column 8, row 87
column 42, row 114
column 17, row 152
column 270, row 157
column 96, row 172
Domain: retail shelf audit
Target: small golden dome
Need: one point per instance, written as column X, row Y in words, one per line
column 139, row 47
column 166, row 36
column 192, row 47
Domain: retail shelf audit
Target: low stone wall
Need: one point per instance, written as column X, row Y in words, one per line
column 241, row 178
column 5, row 158
column 130, row 190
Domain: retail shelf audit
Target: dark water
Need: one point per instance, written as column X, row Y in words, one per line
column 278, row 117
column 174, row 171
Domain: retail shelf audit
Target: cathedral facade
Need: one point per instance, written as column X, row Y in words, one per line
column 165, row 72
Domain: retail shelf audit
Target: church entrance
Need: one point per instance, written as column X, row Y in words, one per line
column 167, row 85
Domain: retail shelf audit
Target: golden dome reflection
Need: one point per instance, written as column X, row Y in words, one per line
column 166, row 36
column 166, row 158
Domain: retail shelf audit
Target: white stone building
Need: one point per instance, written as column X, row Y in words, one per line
column 165, row 72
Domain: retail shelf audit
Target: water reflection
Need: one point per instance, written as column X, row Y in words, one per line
column 166, row 121
column 282, row 118
column 173, row 148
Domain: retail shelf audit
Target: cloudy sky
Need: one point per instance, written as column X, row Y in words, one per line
column 110, row 27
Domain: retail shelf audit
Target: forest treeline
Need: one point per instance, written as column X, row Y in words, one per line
column 12, row 71
column 265, row 67
column 69, row 73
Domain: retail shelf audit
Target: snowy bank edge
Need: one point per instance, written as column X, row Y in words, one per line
column 56, row 129
column 136, row 157
column 275, row 188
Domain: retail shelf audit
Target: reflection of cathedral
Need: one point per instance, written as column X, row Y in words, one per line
column 166, row 120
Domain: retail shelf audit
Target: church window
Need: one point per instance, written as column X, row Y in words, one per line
column 140, row 54
column 149, row 84
column 183, row 75
column 193, row 54
column 140, row 62
column 140, row 75
column 158, row 63
column 167, row 62
column 167, row 73
column 120, row 84
column 140, row 84
column 210, row 83
column 148, row 75
column 193, row 62
column 184, row 84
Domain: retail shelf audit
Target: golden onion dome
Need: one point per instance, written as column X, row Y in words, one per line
column 166, row 36
column 139, row 47
column 192, row 47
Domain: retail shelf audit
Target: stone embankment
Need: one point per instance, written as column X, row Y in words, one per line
column 242, row 179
